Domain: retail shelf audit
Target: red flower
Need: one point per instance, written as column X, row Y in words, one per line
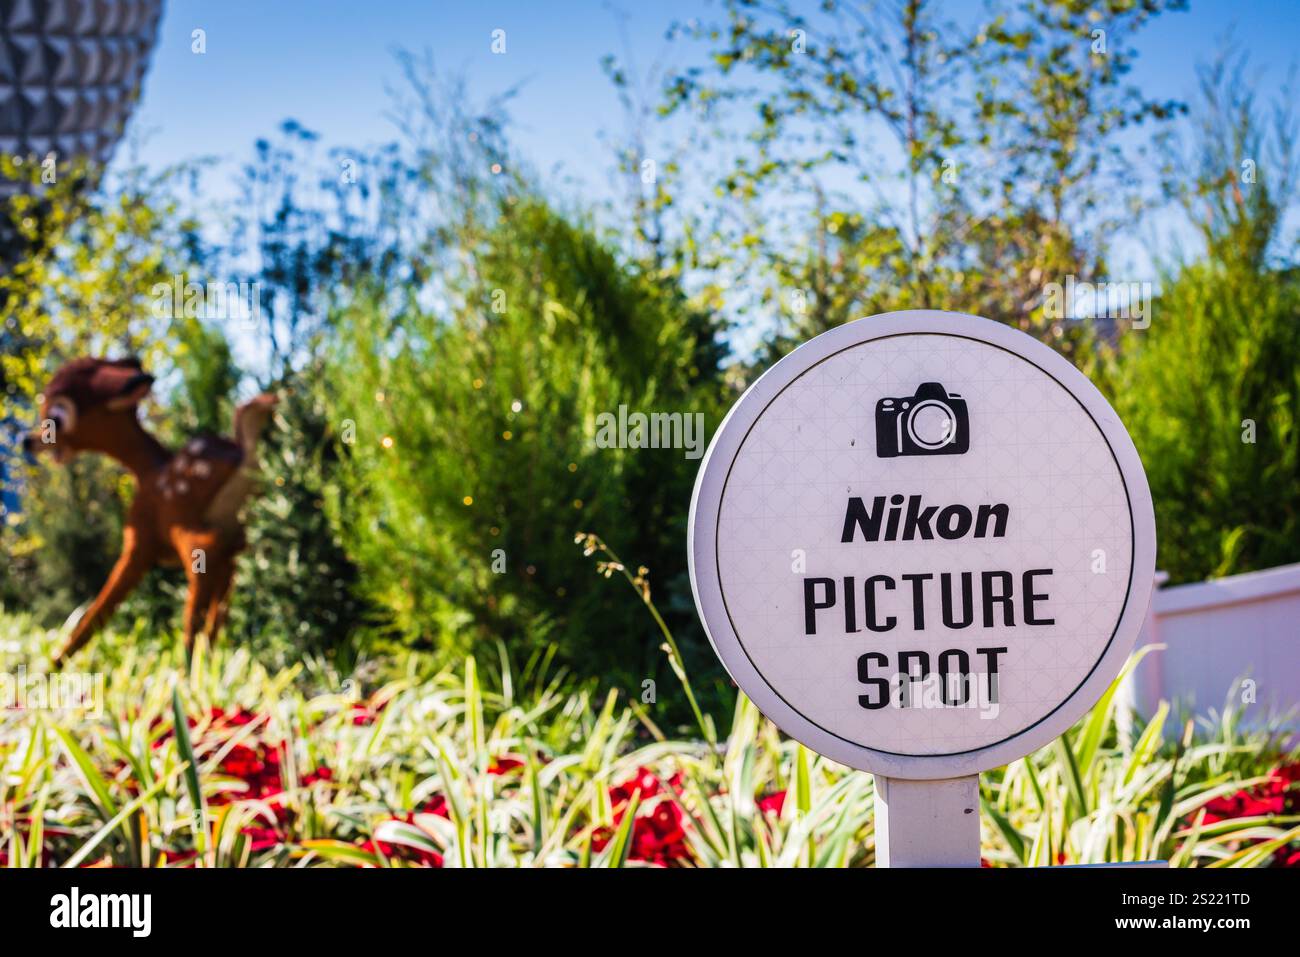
column 436, row 805
column 772, row 803
column 239, row 717
column 503, row 765
column 658, row 831
column 1277, row 795
column 644, row 779
column 660, row 838
column 1242, row 804
column 263, row 838
column 1290, row 773
column 243, row 762
column 1284, row 781
column 414, row 855
column 363, row 713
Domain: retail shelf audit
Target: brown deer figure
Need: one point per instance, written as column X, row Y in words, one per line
column 187, row 503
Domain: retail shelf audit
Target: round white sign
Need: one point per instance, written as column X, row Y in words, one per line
column 923, row 544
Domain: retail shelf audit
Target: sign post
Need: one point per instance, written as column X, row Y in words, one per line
column 923, row 544
column 928, row 823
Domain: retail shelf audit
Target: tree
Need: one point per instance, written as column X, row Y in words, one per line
column 1211, row 391
column 84, row 287
column 473, row 458
column 299, row 586
column 895, row 158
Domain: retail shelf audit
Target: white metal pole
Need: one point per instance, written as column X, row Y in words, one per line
column 927, row 823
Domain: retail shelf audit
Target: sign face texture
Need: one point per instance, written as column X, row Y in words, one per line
column 923, row 544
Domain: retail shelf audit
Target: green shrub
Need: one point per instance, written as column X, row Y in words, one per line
column 1211, row 395
column 473, row 463
column 1211, row 391
column 296, row 582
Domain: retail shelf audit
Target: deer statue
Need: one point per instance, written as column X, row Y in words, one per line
column 187, row 504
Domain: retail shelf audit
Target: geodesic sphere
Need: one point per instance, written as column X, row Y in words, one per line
column 70, row 73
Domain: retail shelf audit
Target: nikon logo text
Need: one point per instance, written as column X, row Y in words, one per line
column 881, row 523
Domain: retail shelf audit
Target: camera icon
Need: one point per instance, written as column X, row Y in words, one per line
column 932, row 422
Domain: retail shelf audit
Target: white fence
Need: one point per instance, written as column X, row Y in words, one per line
column 1235, row 637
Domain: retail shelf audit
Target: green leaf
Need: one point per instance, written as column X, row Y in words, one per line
column 1147, row 744
column 1072, row 777
column 112, row 824
column 89, row 775
column 621, row 844
column 340, row 851
column 1008, row 831
column 191, row 770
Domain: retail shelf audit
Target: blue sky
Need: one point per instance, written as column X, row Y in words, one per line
column 327, row 63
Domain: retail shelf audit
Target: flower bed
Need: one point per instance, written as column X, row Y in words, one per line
column 451, row 770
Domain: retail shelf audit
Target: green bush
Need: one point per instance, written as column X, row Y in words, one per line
column 297, row 583
column 1211, row 390
column 1211, row 395
column 61, row 553
column 472, row 462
